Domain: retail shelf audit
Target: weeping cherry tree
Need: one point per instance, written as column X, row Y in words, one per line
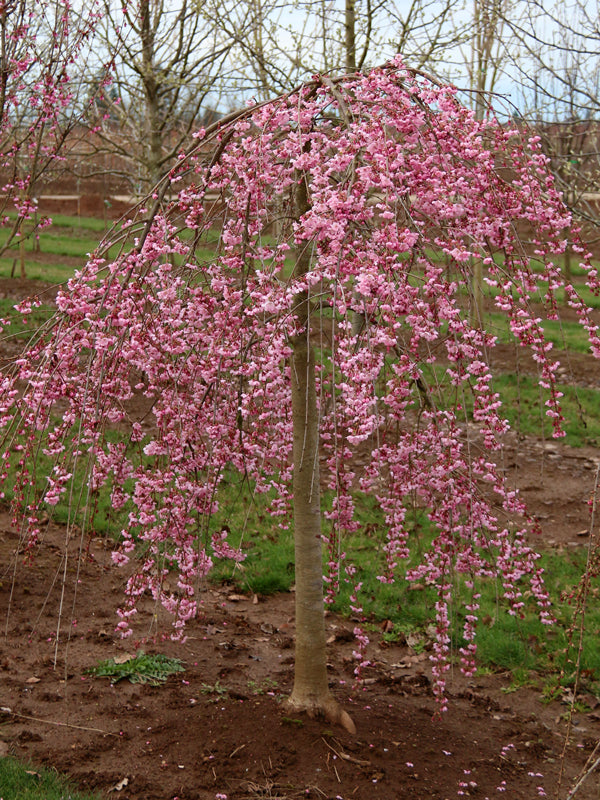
column 227, row 317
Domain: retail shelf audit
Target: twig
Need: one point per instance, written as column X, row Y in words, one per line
column 336, row 773
column 573, row 791
column 61, row 724
column 346, row 757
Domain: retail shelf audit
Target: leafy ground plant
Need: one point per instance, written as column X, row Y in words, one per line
column 141, row 668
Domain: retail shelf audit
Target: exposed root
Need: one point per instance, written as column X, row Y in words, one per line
column 328, row 709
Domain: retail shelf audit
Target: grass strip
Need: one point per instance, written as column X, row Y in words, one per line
column 21, row 781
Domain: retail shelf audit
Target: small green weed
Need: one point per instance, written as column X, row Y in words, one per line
column 520, row 678
column 552, row 689
column 141, row 668
column 216, row 688
column 404, row 633
column 262, row 687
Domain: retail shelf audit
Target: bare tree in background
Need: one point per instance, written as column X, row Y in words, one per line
column 281, row 45
column 160, row 68
column 488, row 48
column 484, row 65
column 558, row 69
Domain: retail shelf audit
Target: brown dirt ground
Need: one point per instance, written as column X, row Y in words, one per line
column 219, row 727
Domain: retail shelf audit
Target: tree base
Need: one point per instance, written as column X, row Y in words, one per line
column 328, row 708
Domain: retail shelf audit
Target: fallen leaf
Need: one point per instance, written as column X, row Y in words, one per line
column 414, row 640
column 123, row 658
column 33, row 679
column 118, row 787
column 212, row 629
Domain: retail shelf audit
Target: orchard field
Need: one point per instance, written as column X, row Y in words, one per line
column 217, row 729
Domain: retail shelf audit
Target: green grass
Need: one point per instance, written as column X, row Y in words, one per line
column 246, row 514
column 504, row 641
column 74, row 239
column 62, row 243
column 547, row 652
column 18, row 328
column 71, row 237
column 91, row 510
column 19, row 781
column 523, row 406
column 79, row 224
column 563, row 335
column 535, row 653
column 36, row 270
column 567, row 336
column 276, row 550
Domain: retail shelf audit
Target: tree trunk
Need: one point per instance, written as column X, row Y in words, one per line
column 350, row 38
column 23, row 272
column 487, row 30
column 152, row 79
column 310, row 685
column 476, row 311
column 311, row 690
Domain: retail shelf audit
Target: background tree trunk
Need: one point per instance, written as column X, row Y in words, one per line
column 487, row 53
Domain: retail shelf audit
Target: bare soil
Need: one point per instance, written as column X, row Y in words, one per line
column 221, row 726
